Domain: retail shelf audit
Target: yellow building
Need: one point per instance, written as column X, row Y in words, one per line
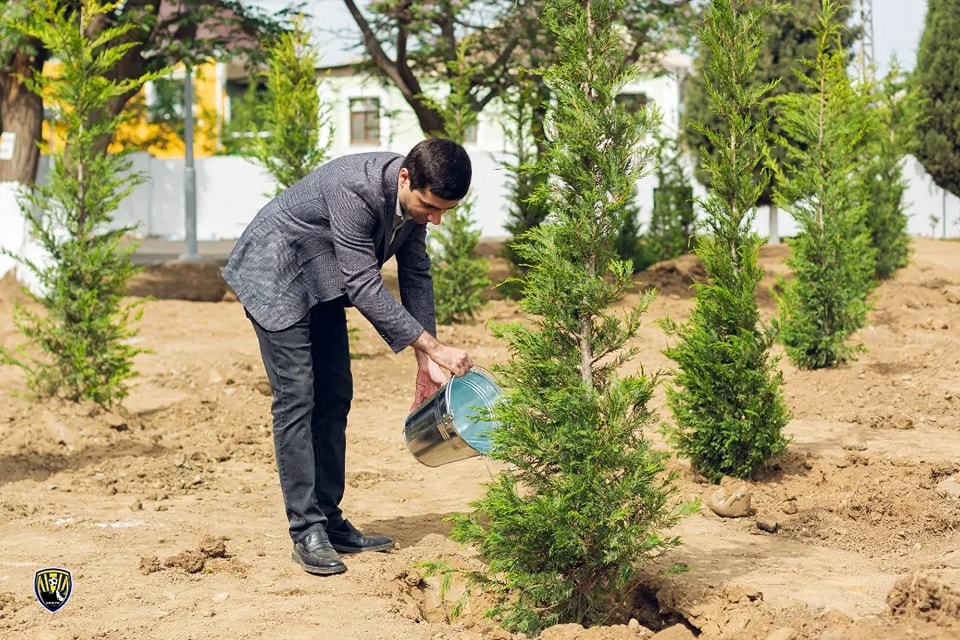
column 158, row 131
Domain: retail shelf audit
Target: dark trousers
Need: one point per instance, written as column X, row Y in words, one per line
column 308, row 365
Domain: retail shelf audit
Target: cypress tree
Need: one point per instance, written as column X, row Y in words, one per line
column 291, row 111
column 726, row 398
column 832, row 257
column 584, row 499
column 522, row 121
column 672, row 219
column 938, row 77
column 894, row 106
column 82, row 336
column 788, row 38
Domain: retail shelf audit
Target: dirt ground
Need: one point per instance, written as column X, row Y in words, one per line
column 168, row 511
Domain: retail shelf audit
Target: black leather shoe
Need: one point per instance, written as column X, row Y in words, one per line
column 317, row 556
column 345, row 538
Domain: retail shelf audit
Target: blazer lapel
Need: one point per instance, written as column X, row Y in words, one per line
column 390, row 176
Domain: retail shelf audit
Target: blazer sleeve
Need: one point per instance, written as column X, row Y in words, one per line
column 353, row 221
column 416, row 283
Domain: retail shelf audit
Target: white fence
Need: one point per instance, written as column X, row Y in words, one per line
column 231, row 190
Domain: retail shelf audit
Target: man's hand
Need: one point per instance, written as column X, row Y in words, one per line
column 429, row 378
column 456, row 361
column 431, row 356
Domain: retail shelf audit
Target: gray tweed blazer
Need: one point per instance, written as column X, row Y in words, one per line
column 327, row 236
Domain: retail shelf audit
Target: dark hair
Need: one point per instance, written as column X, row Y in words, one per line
column 441, row 165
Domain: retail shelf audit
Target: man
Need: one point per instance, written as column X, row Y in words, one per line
column 310, row 252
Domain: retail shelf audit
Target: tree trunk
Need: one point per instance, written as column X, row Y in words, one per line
column 21, row 113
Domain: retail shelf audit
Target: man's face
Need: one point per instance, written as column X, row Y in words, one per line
column 421, row 204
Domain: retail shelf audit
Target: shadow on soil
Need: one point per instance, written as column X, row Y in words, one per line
column 38, row 466
column 407, row 531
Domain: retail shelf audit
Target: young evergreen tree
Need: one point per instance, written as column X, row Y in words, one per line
column 727, row 399
column 82, row 335
column 894, row 105
column 584, row 499
column 787, row 40
column 459, row 275
column 938, row 58
column 831, row 257
column 291, row 111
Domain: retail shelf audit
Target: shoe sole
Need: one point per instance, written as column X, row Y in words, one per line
column 318, row 571
column 380, row 547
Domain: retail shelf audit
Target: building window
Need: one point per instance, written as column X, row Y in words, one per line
column 364, row 121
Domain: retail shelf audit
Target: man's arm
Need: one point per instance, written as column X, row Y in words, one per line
column 353, row 222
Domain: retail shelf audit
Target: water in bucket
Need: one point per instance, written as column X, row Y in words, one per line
column 446, row 426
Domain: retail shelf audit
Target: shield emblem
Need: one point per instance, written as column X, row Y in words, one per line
column 52, row 587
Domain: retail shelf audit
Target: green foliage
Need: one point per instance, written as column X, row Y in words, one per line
column 503, row 37
column 726, row 398
column 190, row 32
column 787, row 39
column 938, row 58
column 583, row 500
column 245, row 119
column 459, row 276
column 522, row 120
column 291, row 111
column 83, row 334
column 895, row 106
column 831, row 258
column 672, row 219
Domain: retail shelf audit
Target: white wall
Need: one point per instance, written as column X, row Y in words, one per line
column 926, row 200
column 12, row 231
column 231, row 190
column 15, row 238
column 923, row 200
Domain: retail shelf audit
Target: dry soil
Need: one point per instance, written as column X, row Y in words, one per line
column 168, row 510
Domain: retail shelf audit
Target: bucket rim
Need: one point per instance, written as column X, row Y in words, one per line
column 485, row 373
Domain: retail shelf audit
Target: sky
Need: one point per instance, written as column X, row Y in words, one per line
column 897, row 25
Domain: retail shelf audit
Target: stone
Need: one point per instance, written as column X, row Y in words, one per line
column 784, row 633
column 854, row 443
column 733, row 505
column 770, row 525
column 949, row 488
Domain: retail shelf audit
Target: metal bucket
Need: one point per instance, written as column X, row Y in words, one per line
column 446, row 428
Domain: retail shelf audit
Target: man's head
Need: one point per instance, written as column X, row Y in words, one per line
column 434, row 176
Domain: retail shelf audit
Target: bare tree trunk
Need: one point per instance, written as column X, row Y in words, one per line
column 21, row 113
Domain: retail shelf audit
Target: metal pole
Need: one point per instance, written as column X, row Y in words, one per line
column 943, row 213
column 189, row 173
